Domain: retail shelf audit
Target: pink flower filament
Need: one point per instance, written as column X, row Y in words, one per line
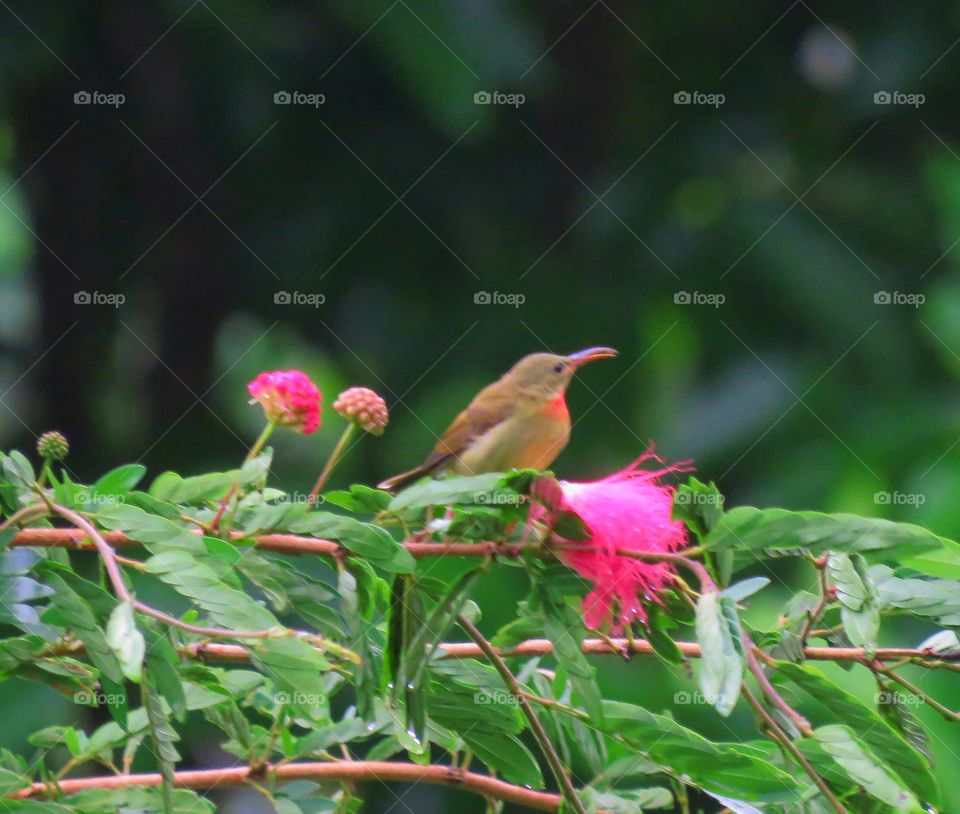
column 629, row 510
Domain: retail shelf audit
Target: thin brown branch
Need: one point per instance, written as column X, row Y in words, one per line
column 543, row 647
column 695, row 566
column 233, row 653
column 543, row 739
column 103, row 548
column 770, row 691
column 781, row 737
column 76, row 538
column 354, row 770
column 79, row 538
column 212, row 632
column 109, row 558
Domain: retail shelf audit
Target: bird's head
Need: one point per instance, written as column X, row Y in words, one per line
column 546, row 375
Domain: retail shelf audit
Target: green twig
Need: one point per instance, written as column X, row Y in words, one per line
column 556, row 765
column 332, row 461
column 945, row 711
column 25, row 515
column 813, row 616
column 781, row 737
column 252, row 453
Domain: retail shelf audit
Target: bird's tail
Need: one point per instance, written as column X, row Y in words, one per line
column 403, row 479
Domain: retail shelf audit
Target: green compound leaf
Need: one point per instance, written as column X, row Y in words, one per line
column 865, row 769
column 126, row 641
column 749, row 529
column 719, row 636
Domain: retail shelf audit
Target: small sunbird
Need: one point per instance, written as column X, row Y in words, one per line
column 520, row 421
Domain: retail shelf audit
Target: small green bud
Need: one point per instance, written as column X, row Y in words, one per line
column 53, row 446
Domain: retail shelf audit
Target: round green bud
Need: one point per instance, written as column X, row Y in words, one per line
column 53, row 446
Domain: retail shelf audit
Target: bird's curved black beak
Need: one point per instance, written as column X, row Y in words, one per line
column 581, row 357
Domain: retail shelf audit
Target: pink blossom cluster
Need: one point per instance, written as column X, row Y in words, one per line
column 629, row 510
column 289, row 399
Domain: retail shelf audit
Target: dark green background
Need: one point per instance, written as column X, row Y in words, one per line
column 399, row 199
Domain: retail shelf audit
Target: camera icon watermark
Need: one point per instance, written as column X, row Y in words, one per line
column 499, row 497
column 87, row 499
column 907, row 699
column 300, row 499
column 498, row 298
column 686, row 97
column 96, row 97
column 486, row 97
column 698, row 499
column 898, row 298
column 98, row 298
column 312, row 300
column 899, row 498
column 887, row 97
column 685, row 698
column 309, row 699
column 698, row 298
column 296, row 97
column 95, row 698
column 487, row 697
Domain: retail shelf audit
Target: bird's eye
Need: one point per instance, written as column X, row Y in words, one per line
column 558, row 368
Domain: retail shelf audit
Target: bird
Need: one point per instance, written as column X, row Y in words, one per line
column 520, row 421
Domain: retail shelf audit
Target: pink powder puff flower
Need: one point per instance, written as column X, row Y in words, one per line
column 631, row 510
column 289, row 399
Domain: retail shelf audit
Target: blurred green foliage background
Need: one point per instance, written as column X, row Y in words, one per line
column 600, row 201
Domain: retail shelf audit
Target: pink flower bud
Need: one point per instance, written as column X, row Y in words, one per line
column 364, row 407
column 289, row 399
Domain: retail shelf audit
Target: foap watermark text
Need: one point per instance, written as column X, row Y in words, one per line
column 486, row 697
column 296, row 97
column 907, row 699
column 499, row 497
column 696, row 97
column 898, row 298
column 698, row 499
column 896, row 97
column 498, row 298
column 899, row 498
column 98, row 298
column 698, row 298
column 487, row 97
column 309, row 699
column 96, row 97
column 308, row 298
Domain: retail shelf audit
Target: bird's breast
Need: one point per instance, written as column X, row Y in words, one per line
column 556, row 409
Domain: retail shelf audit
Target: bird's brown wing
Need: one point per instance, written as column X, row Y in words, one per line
column 489, row 408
